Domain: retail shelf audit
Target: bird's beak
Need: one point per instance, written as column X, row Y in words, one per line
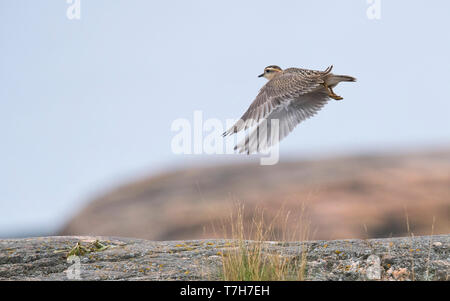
column 261, row 75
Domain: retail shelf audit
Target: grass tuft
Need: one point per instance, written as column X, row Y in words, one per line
column 250, row 256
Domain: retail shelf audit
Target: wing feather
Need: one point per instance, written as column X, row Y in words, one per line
column 278, row 93
column 298, row 110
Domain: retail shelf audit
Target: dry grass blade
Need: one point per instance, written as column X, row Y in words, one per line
column 251, row 258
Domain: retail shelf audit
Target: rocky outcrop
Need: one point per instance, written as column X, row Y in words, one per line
column 349, row 197
column 111, row 258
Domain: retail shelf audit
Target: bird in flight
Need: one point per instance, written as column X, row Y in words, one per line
column 289, row 97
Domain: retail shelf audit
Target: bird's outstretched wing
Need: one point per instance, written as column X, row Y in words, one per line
column 278, row 93
column 281, row 121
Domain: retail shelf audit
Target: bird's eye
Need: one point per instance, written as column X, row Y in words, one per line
column 268, row 70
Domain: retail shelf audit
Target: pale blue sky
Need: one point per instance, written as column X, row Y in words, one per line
column 87, row 104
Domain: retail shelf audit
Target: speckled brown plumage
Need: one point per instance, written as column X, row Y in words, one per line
column 290, row 96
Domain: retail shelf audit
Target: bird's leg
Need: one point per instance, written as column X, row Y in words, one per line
column 334, row 96
column 331, row 93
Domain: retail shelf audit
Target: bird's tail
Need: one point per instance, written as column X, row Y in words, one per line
column 333, row 79
column 344, row 78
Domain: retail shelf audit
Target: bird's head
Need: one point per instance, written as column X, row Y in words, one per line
column 270, row 71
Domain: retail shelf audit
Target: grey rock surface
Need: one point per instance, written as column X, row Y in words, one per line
column 45, row 258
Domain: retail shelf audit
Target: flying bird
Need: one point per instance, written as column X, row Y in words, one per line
column 288, row 98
